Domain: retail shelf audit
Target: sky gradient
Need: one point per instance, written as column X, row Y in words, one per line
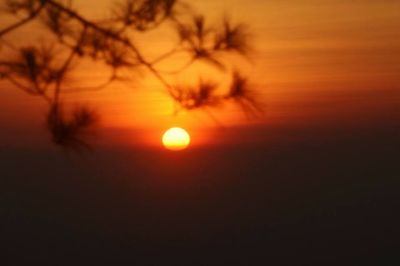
column 312, row 62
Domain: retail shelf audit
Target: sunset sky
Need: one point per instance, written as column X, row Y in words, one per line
column 311, row 180
column 312, row 62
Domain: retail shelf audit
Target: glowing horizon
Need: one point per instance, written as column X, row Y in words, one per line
column 309, row 65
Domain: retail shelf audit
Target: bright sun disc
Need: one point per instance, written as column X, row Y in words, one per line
column 176, row 139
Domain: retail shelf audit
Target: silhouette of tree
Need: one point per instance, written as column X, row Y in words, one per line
column 41, row 71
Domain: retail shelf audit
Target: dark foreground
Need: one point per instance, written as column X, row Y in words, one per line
column 319, row 198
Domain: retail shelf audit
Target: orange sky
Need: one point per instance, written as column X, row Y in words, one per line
column 313, row 61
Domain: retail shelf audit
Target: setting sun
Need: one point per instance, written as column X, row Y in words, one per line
column 176, row 139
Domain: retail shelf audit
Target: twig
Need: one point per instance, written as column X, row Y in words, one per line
column 23, row 21
column 116, row 37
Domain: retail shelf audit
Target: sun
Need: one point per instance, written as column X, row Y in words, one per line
column 176, row 139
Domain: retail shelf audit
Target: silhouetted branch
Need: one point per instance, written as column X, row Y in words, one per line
column 166, row 55
column 240, row 93
column 66, row 65
column 144, row 14
column 204, row 95
column 13, row 8
column 27, row 89
column 69, row 131
column 206, row 43
column 197, row 97
column 42, row 71
column 34, row 65
column 232, row 38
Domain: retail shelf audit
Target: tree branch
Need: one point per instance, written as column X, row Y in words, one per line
column 22, row 22
column 115, row 37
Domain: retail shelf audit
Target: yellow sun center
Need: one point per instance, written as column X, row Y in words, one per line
column 176, row 139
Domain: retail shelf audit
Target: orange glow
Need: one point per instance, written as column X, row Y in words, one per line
column 320, row 68
column 176, row 139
